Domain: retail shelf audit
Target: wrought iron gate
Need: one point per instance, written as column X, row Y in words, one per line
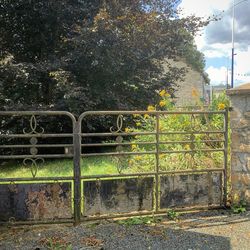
column 154, row 168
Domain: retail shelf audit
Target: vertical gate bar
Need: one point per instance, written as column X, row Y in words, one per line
column 225, row 156
column 77, row 173
column 157, row 162
column 210, row 185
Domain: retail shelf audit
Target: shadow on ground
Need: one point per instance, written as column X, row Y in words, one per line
column 206, row 230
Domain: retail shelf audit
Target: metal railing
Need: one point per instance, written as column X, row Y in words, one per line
column 111, row 144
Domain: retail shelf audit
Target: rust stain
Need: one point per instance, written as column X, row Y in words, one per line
column 13, row 188
column 49, row 203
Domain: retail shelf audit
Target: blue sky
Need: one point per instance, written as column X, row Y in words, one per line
column 215, row 39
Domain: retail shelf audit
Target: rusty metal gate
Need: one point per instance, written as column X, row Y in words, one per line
column 147, row 164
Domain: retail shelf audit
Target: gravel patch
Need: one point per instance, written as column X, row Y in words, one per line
column 203, row 230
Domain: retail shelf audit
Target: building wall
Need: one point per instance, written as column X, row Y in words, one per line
column 193, row 81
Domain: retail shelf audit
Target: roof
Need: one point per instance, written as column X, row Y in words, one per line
column 241, row 90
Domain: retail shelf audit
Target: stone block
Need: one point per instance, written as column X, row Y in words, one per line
column 235, row 114
column 247, row 197
column 239, row 103
column 244, row 179
column 240, row 162
column 240, row 123
column 247, row 114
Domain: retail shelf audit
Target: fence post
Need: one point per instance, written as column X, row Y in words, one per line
column 225, row 157
column 157, row 161
column 77, row 172
column 240, row 147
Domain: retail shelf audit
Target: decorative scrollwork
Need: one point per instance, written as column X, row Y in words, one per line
column 192, row 122
column 119, row 139
column 119, row 124
column 12, row 220
column 33, row 165
column 121, row 162
column 195, row 124
column 119, row 165
column 33, row 127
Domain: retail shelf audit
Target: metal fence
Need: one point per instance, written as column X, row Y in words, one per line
column 147, row 178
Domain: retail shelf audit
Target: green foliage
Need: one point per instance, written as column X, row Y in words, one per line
column 239, row 208
column 89, row 55
column 194, row 57
column 139, row 221
column 174, row 123
column 172, row 215
column 146, row 162
column 219, row 99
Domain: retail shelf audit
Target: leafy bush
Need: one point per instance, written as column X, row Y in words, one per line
column 194, row 147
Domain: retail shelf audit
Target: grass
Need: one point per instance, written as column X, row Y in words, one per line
column 60, row 168
column 100, row 165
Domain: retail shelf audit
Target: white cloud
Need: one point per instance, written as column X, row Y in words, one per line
column 203, row 8
column 215, row 40
column 217, row 75
column 242, row 61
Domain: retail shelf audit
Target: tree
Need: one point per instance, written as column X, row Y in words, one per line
column 89, row 55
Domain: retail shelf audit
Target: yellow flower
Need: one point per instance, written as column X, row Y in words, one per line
column 195, row 93
column 236, row 198
column 138, row 158
column 138, row 124
column 133, row 146
column 162, row 103
column 221, row 106
column 130, row 162
column 161, row 156
column 187, row 147
column 146, row 116
column 136, row 115
column 151, row 108
column 127, row 130
column 162, row 93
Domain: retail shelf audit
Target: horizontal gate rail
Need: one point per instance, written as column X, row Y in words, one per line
column 29, row 144
column 109, row 142
column 150, row 143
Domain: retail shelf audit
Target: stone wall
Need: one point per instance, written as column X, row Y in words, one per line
column 240, row 147
column 192, row 80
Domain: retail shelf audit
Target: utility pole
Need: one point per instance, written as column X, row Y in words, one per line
column 232, row 66
column 233, row 54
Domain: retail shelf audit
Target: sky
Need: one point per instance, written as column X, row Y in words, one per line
column 215, row 40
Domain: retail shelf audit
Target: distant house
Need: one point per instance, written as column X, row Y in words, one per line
column 214, row 91
column 193, row 81
column 218, row 89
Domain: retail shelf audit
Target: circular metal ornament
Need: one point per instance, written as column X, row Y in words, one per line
column 33, row 140
column 119, row 139
column 34, row 151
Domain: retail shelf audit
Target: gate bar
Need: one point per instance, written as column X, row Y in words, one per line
column 157, row 162
column 225, row 156
column 77, row 173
